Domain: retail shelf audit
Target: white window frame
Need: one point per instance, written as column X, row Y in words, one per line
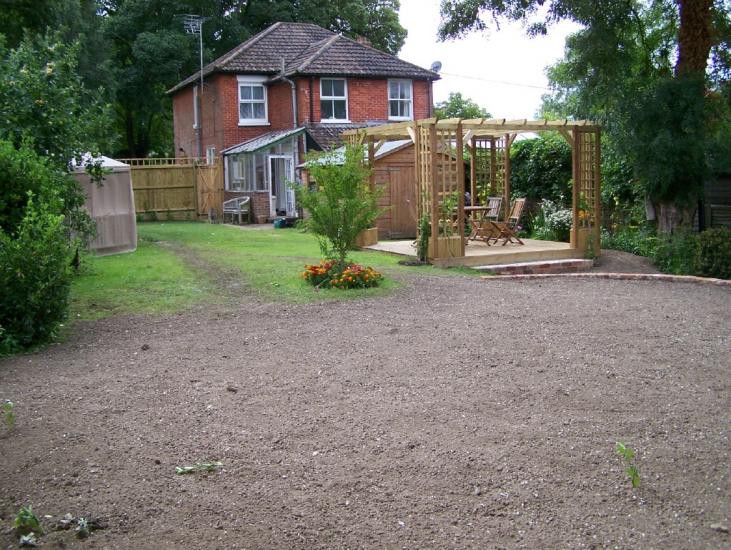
column 247, row 162
column 335, row 98
column 248, row 80
column 196, row 115
column 409, row 101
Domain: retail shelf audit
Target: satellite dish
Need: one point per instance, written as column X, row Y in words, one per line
column 436, row 66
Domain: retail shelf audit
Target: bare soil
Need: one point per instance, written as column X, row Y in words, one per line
column 454, row 413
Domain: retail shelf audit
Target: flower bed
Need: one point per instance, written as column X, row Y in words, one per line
column 329, row 274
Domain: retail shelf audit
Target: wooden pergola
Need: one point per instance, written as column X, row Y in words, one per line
column 439, row 150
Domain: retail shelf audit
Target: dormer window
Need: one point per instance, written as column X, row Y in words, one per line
column 333, row 100
column 400, row 100
column 252, row 101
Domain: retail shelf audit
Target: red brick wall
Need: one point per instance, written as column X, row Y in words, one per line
column 279, row 99
column 367, row 99
column 183, row 131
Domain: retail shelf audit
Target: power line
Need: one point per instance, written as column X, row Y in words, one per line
column 504, row 82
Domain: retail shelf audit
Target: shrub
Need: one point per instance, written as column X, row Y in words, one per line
column 341, row 204
column 552, row 223
column 329, row 274
column 677, row 253
column 639, row 240
column 35, row 277
column 715, row 253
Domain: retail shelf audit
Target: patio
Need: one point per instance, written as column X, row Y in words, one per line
column 478, row 253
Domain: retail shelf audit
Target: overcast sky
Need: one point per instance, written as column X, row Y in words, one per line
column 502, row 70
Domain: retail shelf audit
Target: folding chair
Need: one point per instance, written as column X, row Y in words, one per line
column 507, row 230
column 482, row 228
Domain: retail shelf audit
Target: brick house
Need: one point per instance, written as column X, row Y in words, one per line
column 292, row 88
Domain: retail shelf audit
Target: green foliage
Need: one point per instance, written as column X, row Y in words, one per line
column 677, row 254
column 43, row 101
column 552, row 222
column 23, row 171
column 715, row 253
column 422, row 244
column 35, row 277
column 198, row 467
column 342, row 204
column 8, row 412
column 639, row 240
column 456, row 106
column 540, row 168
column 26, row 522
column 447, row 213
column 628, row 456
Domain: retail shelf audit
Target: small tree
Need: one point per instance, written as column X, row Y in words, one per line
column 341, row 204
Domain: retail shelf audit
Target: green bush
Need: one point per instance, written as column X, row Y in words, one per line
column 638, row 240
column 341, row 204
column 552, row 222
column 678, row 253
column 35, row 277
column 715, row 253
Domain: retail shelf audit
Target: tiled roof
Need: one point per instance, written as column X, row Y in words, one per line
column 262, row 142
column 329, row 136
column 307, row 49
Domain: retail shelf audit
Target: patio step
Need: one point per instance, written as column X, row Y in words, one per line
column 543, row 266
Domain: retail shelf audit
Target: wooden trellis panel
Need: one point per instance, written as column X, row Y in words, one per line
column 587, row 182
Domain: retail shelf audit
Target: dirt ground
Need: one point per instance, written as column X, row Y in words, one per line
column 454, row 413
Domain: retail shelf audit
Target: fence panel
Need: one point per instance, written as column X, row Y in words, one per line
column 165, row 191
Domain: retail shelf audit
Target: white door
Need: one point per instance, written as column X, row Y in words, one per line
column 281, row 173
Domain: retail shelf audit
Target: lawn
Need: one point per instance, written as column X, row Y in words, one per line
column 180, row 264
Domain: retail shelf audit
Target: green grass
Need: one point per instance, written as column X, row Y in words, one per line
column 153, row 279
column 149, row 280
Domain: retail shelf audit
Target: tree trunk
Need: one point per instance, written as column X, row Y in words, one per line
column 695, row 36
column 671, row 216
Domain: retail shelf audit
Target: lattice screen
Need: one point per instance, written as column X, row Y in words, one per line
column 588, row 177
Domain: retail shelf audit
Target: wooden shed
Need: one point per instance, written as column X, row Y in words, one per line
column 394, row 174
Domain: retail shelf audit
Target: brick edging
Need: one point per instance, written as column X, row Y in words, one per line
column 619, row 276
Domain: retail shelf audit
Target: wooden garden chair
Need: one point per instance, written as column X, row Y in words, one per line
column 482, row 225
column 506, row 230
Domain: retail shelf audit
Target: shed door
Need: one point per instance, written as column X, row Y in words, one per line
column 403, row 202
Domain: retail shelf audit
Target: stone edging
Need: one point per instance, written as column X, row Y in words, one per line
column 618, row 276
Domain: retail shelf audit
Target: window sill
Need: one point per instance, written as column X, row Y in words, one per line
column 334, row 121
column 254, row 122
column 400, row 118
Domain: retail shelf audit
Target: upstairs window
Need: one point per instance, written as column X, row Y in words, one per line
column 400, row 100
column 252, row 101
column 333, row 100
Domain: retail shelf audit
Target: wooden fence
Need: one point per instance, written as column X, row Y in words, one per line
column 176, row 189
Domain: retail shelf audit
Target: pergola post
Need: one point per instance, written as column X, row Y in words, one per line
column 371, row 164
column 434, row 189
column 459, row 159
column 576, row 176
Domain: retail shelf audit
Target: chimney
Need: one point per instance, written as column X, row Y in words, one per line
column 363, row 40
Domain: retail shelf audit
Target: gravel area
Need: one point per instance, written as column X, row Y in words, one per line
column 454, row 413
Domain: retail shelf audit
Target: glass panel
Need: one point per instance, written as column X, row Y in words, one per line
column 327, row 109
column 258, row 110
column 245, row 92
column 338, row 88
column 393, row 108
column 245, row 110
column 327, row 87
column 407, row 109
column 393, row 89
column 405, row 92
column 258, row 92
column 340, row 111
column 261, row 172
